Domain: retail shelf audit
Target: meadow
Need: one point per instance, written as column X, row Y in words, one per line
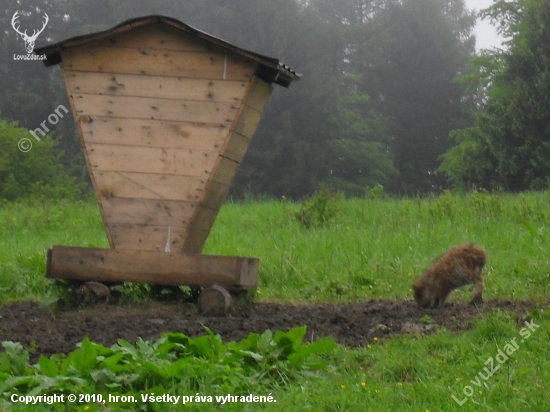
column 372, row 248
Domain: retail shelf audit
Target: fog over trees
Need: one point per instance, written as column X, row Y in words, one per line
column 377, row 102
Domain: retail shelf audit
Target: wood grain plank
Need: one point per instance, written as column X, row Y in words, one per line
column 214, row 195
column 155, row 86
column 246, row 121
column 197, row 232
column 88, row 167
column 214, row 66
column 195, row 240
column 149, row 186
column 108, row 265
column 236, row 147
column 224, row 171
column 147, row 211
column 154, row 108
column 203, row 218
column 153, row 133
column 242, row 130
column 108, row 157
column 258, row 94
column 128, row 236
column 226, row 165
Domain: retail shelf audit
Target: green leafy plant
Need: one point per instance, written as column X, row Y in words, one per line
column 375, row 192
column 205, row 361
column 444, row 205
column 319, row 209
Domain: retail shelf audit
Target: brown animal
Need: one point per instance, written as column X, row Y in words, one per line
column 458, row 267
column 91, row 289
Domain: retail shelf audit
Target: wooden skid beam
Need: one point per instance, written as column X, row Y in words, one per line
column 109, row 265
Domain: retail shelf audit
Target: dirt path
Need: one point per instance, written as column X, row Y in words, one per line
column 353, row 324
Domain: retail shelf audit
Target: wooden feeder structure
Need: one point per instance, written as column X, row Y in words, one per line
column 165, row 114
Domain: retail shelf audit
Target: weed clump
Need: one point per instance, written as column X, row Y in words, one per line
column 319, row 209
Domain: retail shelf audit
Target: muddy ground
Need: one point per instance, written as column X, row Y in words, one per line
column 353, row 324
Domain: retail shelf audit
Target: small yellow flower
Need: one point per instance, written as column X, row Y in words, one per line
column 399, row 384
column 343, row 386
column 375, row 339
column 368, row 346
column 86, row 408
column 377, row 391
column 363, row 384
column 457, row 379
column 480, row 392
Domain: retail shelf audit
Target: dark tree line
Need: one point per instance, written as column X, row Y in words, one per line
column 376, row 103
column 508, row 147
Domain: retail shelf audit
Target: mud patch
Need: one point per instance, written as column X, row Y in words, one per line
column 353, row 324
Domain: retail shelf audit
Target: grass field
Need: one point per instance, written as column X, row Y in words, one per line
column 373, row 248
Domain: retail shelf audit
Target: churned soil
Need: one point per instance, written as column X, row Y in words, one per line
column 47, row 331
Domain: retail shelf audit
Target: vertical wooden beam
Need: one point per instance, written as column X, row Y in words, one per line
column 227, row 164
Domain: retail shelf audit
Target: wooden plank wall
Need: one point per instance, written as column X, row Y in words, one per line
column 227, row 163
column 165, row 119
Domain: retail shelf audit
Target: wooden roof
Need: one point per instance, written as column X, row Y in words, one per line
column 270, row 69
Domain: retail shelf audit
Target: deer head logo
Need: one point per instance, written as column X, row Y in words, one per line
column 29, row 40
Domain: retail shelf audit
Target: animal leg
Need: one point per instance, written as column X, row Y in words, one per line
column 477, row 300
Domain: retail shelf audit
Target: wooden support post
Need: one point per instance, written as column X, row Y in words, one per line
column 109, row 265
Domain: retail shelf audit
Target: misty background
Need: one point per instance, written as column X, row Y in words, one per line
column 377, row 102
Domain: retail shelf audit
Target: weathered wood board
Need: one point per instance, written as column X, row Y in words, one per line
column 139, row 132
column 181, row 88
column 137, row 60
column 108, row 265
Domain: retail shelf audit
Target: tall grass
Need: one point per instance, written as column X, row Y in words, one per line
column 28, row 229
column 373, row 249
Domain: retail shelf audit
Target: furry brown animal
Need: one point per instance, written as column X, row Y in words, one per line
column 91, row 289
column 459, row 266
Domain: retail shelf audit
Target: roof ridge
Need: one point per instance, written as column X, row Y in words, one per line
column 272, row 69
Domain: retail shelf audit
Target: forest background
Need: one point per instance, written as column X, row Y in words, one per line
column 393, row 93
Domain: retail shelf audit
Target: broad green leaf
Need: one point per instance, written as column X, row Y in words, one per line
column 265, row 341
column 82, row 359
column 253, row 355
column 294, row 335
column 216, row 341
column 48, row 367
column 14, row 382
column 14, row 359
column 201, row 346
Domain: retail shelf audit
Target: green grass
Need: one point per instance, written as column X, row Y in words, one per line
column 373, row 249
column 28, row 229
column 376, row 248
